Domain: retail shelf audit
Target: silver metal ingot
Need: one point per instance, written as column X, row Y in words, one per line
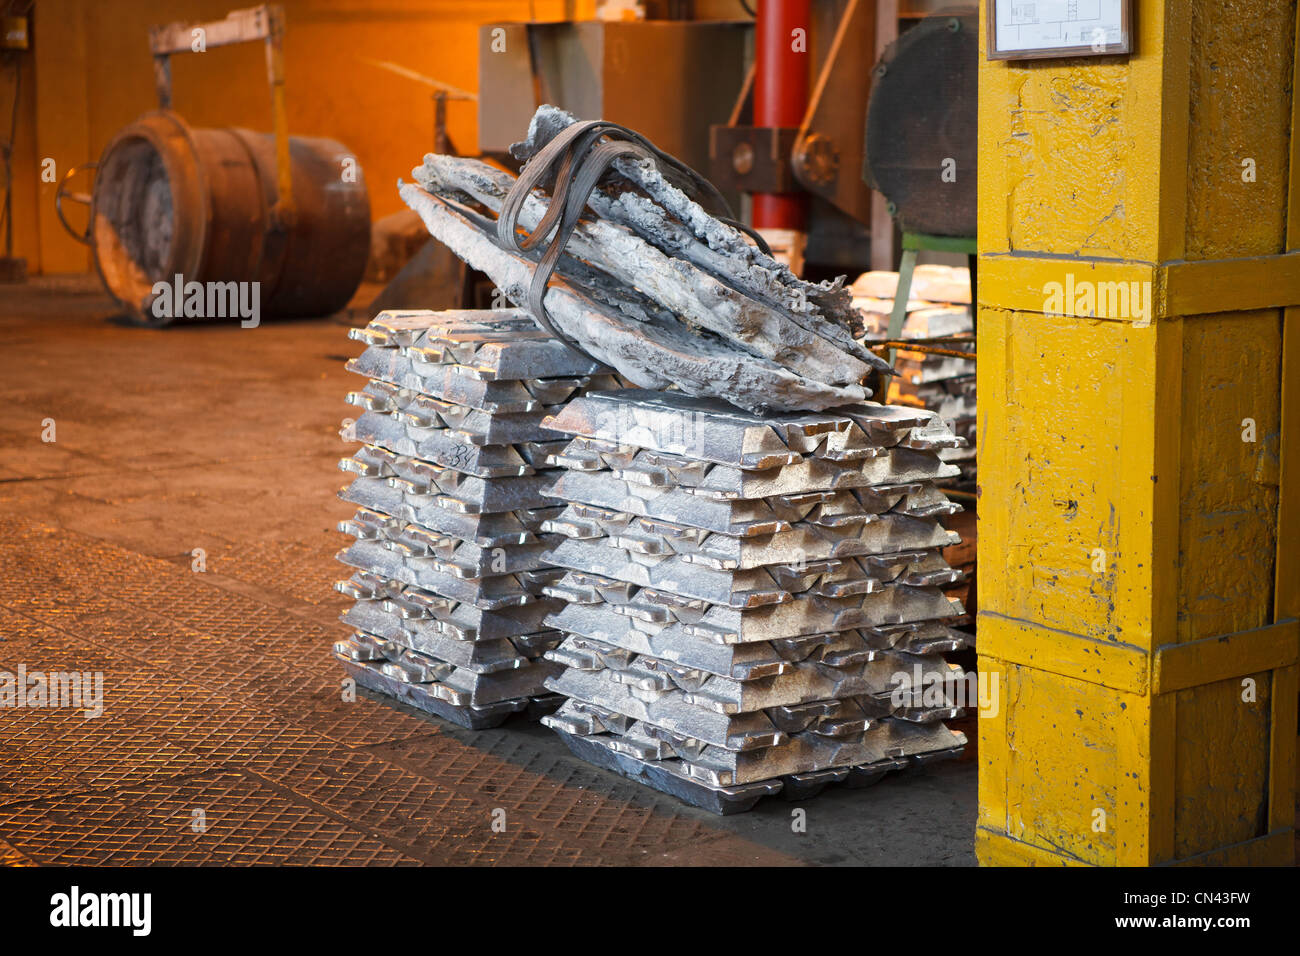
column 450, row 449
column 442, row 552
column 806, row 752
column 724, row 624
column 492, row 344
column 888, row 469
column 712, row 430
column 748, row 517
column 456, row 685
column 487, row 530
column 740, row 662
column 746, row 588
column 795, row 544
column 490, row 593
column 885, row 679
column 424, row 636
column 465, row 386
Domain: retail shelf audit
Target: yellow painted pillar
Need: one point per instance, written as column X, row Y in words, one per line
column 1139, row 458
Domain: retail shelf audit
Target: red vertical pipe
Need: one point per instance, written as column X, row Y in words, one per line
column 780, row 95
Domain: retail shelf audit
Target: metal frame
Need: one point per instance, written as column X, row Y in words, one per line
column 913, row 243
column 63, row 192
column 1041, row 53
column 266, row 23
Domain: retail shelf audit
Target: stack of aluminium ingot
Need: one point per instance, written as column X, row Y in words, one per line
column 743, row 593
column 449, row 614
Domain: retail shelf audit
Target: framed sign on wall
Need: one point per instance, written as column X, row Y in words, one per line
column 1034, row 29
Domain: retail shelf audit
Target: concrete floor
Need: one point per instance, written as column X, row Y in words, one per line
column 224, row 738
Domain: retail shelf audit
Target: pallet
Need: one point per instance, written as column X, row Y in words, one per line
column 468, row 716
column 726, row 801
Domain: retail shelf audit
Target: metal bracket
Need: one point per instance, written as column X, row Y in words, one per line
column 84, row 199
column 752, row 159
column 266, row 23
column 829, row 149
column 913, row 243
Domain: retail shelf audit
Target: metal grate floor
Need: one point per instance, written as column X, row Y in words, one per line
column 225, row 737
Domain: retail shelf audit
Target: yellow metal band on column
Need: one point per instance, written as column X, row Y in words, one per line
column 1231, row 285
column 1124, row 667
column 1110, row 664
column 1021, row 282
column 1212, row 659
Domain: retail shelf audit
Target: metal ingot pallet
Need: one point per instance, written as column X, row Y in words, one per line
column 741, row 594
column 450, row 560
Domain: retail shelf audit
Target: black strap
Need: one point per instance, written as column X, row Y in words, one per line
column 573, row 163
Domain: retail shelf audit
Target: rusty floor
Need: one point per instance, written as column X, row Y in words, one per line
column 224, row 737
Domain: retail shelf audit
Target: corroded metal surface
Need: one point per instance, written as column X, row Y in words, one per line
column 174, row 200
column 652, row 285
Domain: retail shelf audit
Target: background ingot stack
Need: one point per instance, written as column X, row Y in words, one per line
column 449, row 490
column 743, row 592
column 938, row 307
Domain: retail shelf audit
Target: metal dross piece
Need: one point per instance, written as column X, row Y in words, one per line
column 451, row 560
column 654, row 285
column 749, row 596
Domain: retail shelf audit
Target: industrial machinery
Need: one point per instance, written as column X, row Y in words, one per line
column 177, row 204
column 920, row 148
column 794, row 143
column 920, row 144
column 809, row 155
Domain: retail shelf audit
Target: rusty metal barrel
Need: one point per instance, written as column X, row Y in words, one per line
column 172, row 200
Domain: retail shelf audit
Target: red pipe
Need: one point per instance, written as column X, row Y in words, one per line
column 780, row 95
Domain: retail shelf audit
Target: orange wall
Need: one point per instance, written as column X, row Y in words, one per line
column 90, row 73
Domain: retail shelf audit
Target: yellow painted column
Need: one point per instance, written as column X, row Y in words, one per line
column 1139, row 444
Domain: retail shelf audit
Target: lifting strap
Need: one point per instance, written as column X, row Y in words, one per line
column 574, row 162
